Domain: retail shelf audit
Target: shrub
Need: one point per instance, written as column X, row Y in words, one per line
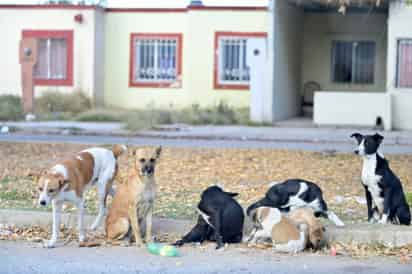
column 409, row 198
column 10, row 107
column 221, row 114
column 101, row 115
column 56, row 102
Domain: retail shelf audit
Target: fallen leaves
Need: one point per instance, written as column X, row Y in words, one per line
column 183, row 173
column 374, row 249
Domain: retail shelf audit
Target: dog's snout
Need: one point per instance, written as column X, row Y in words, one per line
column 148, row 170
column 43, row 202
column 356, row 151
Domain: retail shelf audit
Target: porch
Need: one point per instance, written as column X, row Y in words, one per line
column 330, row 62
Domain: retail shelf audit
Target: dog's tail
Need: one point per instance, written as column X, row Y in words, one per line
column 118, row 150
column 260, row 203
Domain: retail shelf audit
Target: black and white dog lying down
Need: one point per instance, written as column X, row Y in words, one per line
column 385, row 198
column 296, row 193
column 220, row 219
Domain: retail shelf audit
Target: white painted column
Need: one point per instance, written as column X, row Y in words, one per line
column 262, row 103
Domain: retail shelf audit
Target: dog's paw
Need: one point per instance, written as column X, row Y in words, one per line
column 82, row 238
column 220, row 246
column 139, row 244
column 340, row 224
column 373, row 220
column 49, row 244
column 94, row 227
column 384, row 219
column 178, row 243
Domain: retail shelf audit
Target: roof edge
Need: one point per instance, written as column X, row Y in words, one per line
column 50, row 6
column 94, row 7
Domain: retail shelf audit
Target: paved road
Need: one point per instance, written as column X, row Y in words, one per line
column 22, row 258
column 176, row 142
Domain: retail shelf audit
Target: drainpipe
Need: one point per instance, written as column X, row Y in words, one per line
column 268, row 111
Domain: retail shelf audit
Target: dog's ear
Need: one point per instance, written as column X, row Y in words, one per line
column 357, row 136
column 158, row 152
column 378, row 138
column 253, row 215
column 36, row 175
column 61, row 180
column 232, row 194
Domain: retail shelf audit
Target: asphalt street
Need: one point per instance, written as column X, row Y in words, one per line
column 197, row 143
column 23, row 257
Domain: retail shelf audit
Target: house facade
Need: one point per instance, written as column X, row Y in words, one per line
column 358, row 64
column 134, row 57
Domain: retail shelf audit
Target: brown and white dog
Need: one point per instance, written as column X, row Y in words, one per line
column 315, row 228
column 69, row 180
column 271, row 225
column 132, row 206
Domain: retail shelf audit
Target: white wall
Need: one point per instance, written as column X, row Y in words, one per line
column 321, row 29
column 99, row 54
column 399, row 26
column 288, row 21
column 351, row 108
column 14, row 20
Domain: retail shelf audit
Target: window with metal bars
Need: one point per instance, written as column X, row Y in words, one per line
column 156, row 59
column 232, row 65
column 353, row 62
column 52, row 59
column 404, row 79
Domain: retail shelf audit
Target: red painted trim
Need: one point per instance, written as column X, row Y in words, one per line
column 218, row 34
column 185, row 9
column 68, row 34
column 172, row 84
column 55, row 6
column 236, row 8
column 146, row 10
column 81, row 7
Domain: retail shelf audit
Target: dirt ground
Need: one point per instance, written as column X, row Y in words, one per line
column 182, row 174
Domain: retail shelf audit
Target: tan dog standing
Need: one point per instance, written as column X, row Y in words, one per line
column 315, row 228
column 132, row 206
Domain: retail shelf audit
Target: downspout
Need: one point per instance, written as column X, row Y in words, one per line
column 269, row 111
column 389, row 123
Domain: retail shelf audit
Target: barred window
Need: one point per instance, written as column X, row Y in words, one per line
column 156, row 59
column 232, row 67
column 405, row 63
column 353, row 62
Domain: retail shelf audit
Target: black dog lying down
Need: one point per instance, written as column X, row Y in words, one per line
column 296, row 193
column 220, row 219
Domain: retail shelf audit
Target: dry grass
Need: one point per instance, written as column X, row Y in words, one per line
column 183, row 173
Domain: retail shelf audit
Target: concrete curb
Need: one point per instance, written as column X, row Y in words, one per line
column 389, row 235
column 403, row 142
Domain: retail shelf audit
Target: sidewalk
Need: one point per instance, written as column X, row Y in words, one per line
column 59, row 126
column 206, row 132
column 279, row 134
column 389, row 235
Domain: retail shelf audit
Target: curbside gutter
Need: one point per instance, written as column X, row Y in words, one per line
column 389, row 235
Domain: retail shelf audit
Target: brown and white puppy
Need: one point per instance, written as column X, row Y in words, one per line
column 132, row 206
column 271, row 225
column 315, row 228
column 69, row 180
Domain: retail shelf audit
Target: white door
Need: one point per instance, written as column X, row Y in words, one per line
column 256, row 59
